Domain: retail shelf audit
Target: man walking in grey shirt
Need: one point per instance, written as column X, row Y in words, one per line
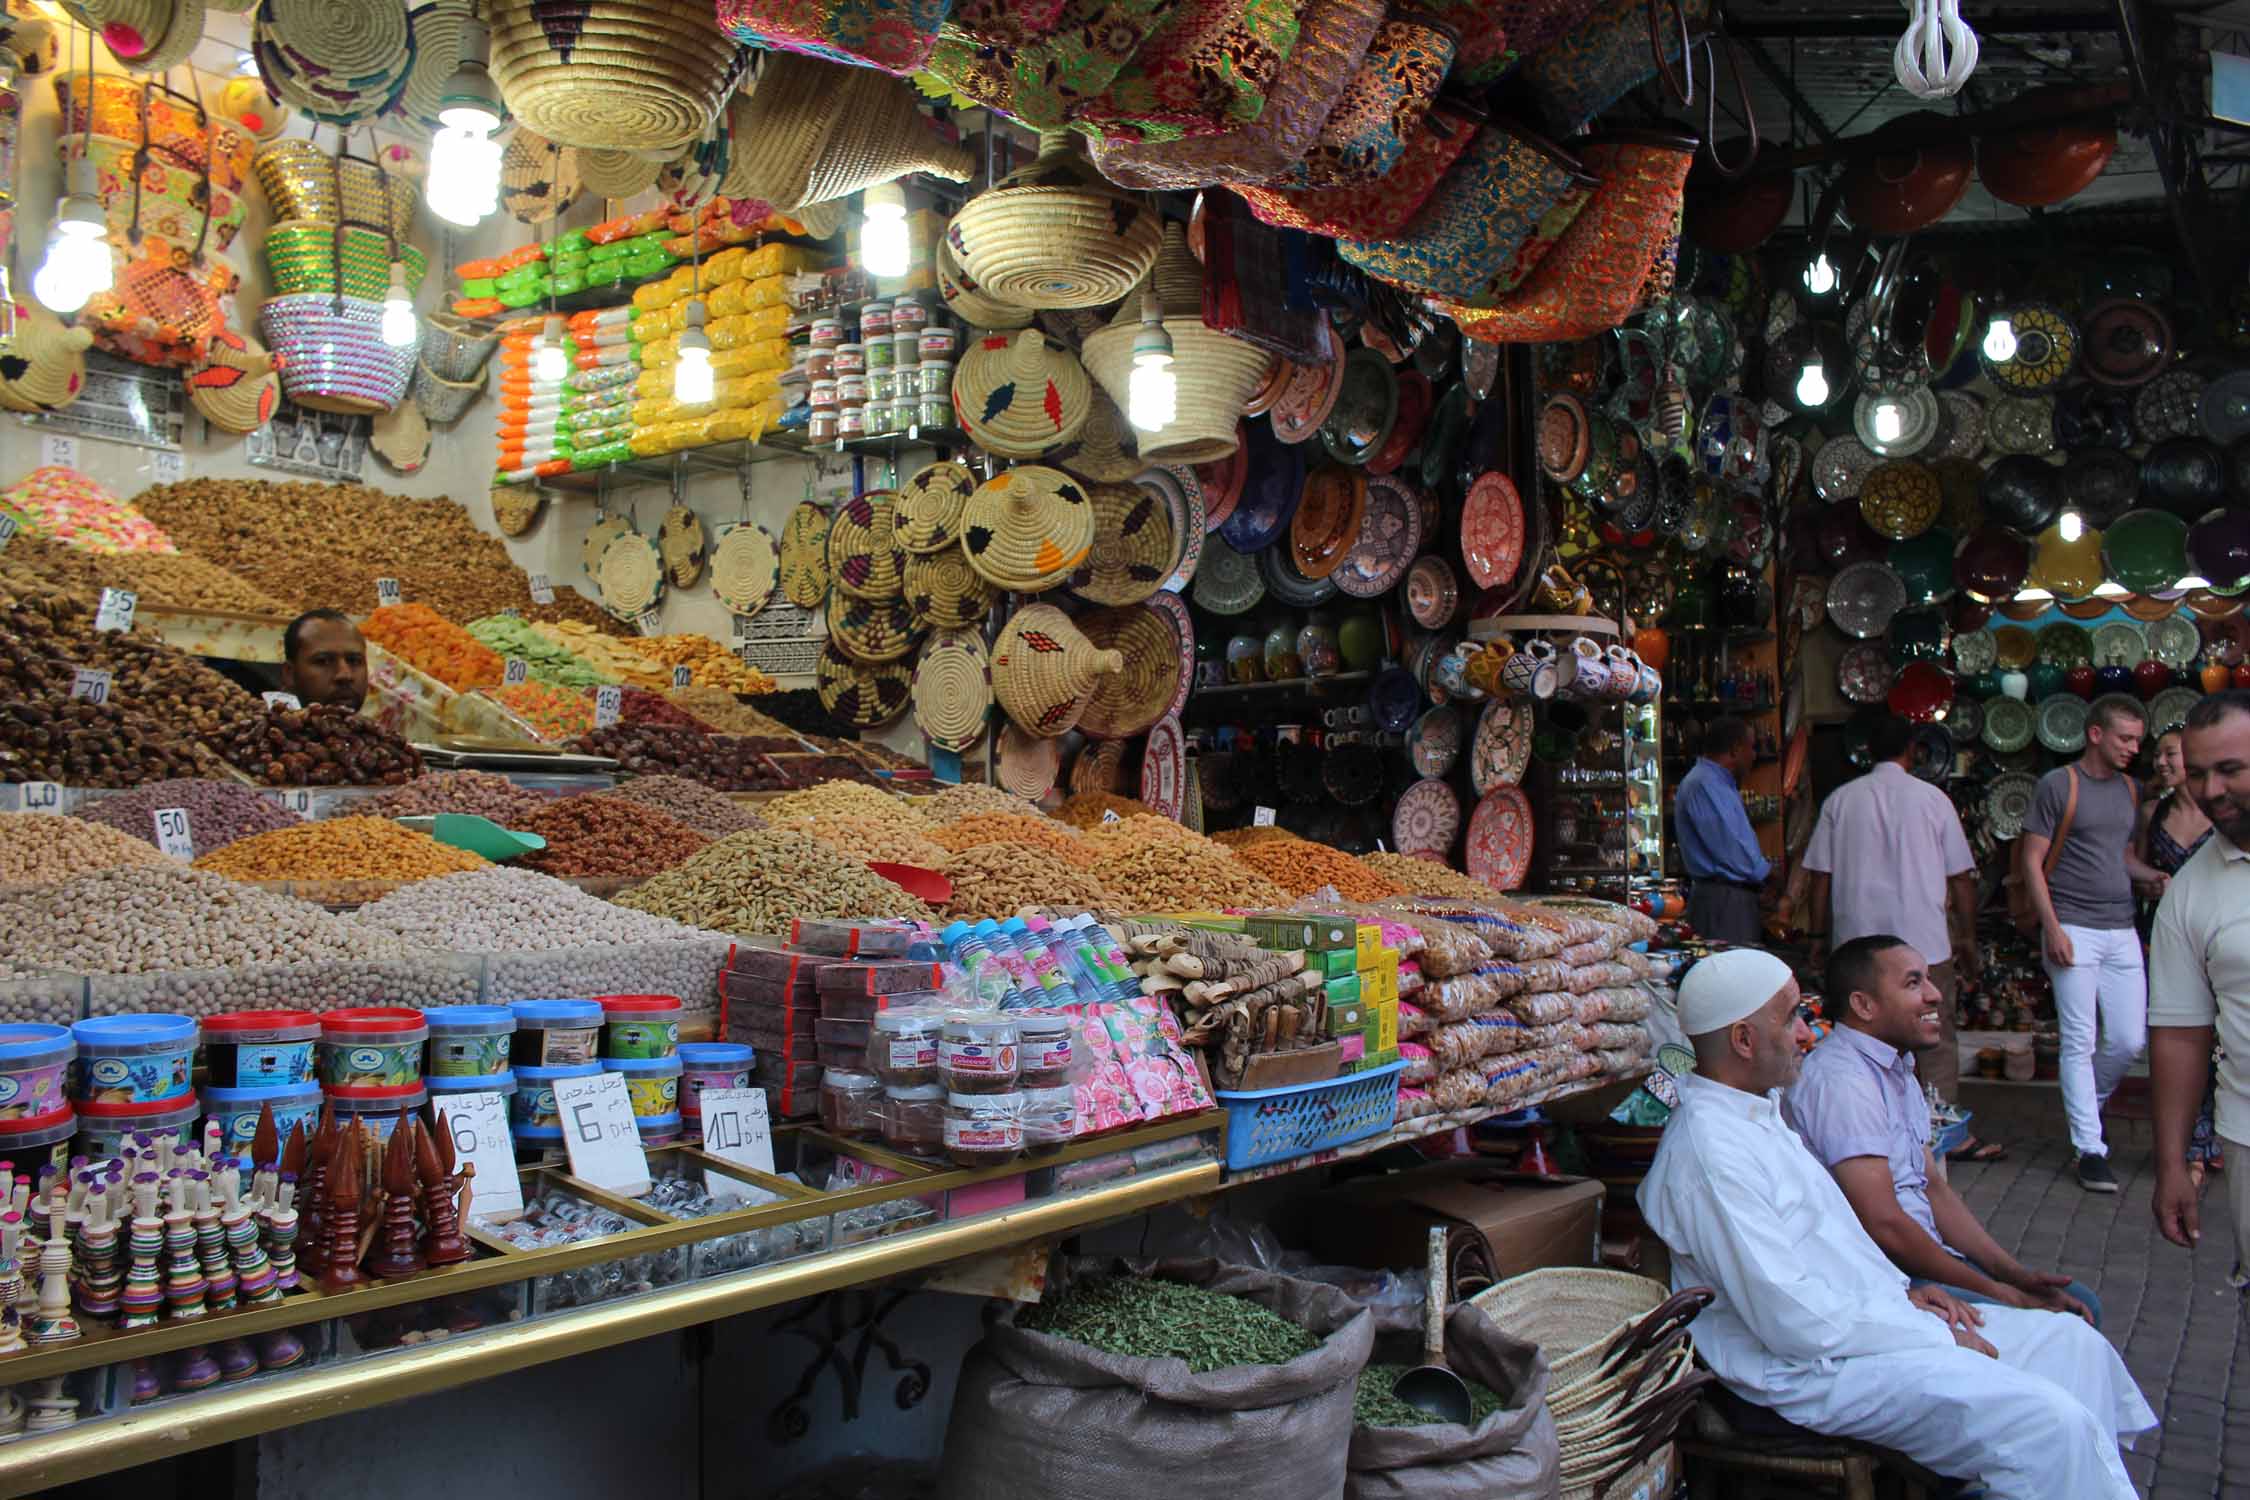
column 2072, row 862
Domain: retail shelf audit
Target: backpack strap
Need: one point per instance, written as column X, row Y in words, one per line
column 2062, row 829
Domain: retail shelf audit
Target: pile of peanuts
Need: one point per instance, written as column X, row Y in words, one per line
column 1301, row 867
column 851, row 798
column 714, row 814
column 1427, row 877
column 728, row 714
column 36, row 849
column 999, row 880
column 1175, row 870
column 1085, row 810
column 596, row 834
column 755, row 882
column 339, row 849
column 1029, row 832
column 868, row 838
column 479, row 793
column 975, row 797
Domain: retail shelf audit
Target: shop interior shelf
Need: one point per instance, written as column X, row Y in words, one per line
column 1285, row 684
column 730, row 458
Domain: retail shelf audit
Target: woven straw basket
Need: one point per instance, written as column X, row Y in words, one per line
column 1217, row 375
column 514, row 506
column 968, row 304
column 53, row 359
column 1028, row 762
column 929, row 506
column 1135, row 698
column 454, row 348
column 1133, row 546
column 443, row 400
column 1020, row 397
column 864, row 557
column 1100, row 767
column 945, row 593
column 1043, row 668
column 1054, row 234
column 1108, row 451
column 616, row 174
column 636, row 75
column 235, row 386
column 1025, row 530
column 302, row 181
column 1575, row 1315
column 953, row 689
column 877, row 135
column 744, row 567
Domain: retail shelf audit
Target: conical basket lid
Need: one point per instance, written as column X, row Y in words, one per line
column 1043, row 667
column 1022, row 395
column 1055, row 234
column 1132, row 549
column 1025, row 530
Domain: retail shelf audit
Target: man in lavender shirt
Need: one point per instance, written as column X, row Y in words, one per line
column 1858, row 1105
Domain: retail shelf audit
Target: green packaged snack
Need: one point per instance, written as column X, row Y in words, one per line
column 519, row 296
column 573, row 242
column 566, row 284
column 479, row 286
column 604, row 453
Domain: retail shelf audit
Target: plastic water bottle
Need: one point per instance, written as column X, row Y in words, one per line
column 1116, row 963
column 1054, row 986
column 1079, row 965
column 989, row 979
column 1004, row 950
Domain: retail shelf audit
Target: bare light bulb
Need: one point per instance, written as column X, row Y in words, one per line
column 2000, row 340
column 76, row 264
column 549, row 361
column 464, row 185
column 1152, row 391
column 1890, row 421
column 692, row 383
column 399, row 327
column 884, row 246
column 1820, row 276
column 1812, row 383
column 2071, row 527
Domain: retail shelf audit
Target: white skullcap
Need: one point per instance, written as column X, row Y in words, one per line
column 1722, row 988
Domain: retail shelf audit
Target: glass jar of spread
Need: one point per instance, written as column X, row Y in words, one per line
column 977, row 1053
column 983, row 1130
column 1050, row 1119
column 1043, row 1050
column 914, row 1120
column 851, row 359
column 903, row 1048
column 848, row 1104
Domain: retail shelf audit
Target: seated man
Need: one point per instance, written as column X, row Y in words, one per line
column 1859, row 1105
column 1813, row 1323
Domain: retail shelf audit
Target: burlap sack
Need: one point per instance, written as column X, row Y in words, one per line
column 1511, row 1455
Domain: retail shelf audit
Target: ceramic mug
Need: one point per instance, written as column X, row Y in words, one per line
column 1484, row 670
column 1530, row 670
column 1585, row 672
column 1624, row 671
column 1453, row 669
column 2015, row 684
column 1650, row 687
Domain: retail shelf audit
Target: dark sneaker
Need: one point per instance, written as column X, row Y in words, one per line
column 2095, row 1176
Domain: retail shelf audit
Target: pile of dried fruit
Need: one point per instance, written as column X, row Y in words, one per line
column 1086, row 809
column 1164, row 873
column 512, row 635
column 717, row 760
column 711, row 664
column 832, row 797
column 728, row 714
column 1014, row 828
column 324, row 745
column 1301, row 867
column 603, row 835
column 702, row 809
column 219, row 812
column 975, row 797
column 554, row 713
column 169, row 580
column 999, row 880
column 479, row 793
column 430, row 643
column 338, row 849
column 1427, row 877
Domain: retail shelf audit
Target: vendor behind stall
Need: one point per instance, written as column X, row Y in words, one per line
column 324, row 660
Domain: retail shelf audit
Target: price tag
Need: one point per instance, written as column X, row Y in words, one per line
column 169, row 467
column 281, row 700
column 39, row 797
column 115, row 612
column 91, row 684
column 542, row 592
column 1111, row 816
column 479, row 1123
column 296, row 799
column 1261, row 817
column 8, row 534
column 172, row 834
column 682, row 676
column 58, row 449
column 608, row 701
column 736, row 1129
column 516, row 671
column 386, row 593
column 648, row 622
column 600, row 1134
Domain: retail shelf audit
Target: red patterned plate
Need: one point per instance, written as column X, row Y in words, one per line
column 1492, row 530
column 1502, row 747
column 1306, row 400
column 1164, row 769
column 1433, row 594
column 1390, row 533
column 1262, row 399
column 1414, row 401
column 1500, row 835
column 1175, row 609
column 1222, row 481
column 1426, row 819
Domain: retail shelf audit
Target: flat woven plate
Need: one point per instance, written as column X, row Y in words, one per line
column 929, row 506
column 632, row 575
column 1133, row 545
column 863, row 695
column 598, row 538
column 945, row 593
column 804, row 556
column 744, row 567
column 1029, row 764
column 952, row 688
column 1175, row 610
column 872, row 630
column 681, row 540
column 864, row 557
column 2007, row 801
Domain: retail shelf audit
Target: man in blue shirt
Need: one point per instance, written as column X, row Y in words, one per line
column 1859, row 1106
column 1717, row 844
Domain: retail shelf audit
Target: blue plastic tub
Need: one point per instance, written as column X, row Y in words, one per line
column 236, row 1110
column 1269, row 1125
column 135, row 1059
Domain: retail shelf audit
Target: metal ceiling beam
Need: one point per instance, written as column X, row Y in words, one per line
column 1785, row 86
column 1890, row 23
column 2177, row 161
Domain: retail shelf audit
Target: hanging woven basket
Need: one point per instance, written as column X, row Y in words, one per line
column 43, row 368
column 635, row 75
column 1021, row 396
column 966, row 302
column 744, row 567
column 1216, row 375
column 1025, row 530
column 875, row 135
column 1053, row 233
column 945, row 593
column 1128, row 701
column 953, row 689
column 1043, row 668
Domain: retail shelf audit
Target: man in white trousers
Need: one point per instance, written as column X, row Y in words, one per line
column 1814, row 1323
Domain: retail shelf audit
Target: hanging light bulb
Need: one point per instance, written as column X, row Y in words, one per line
column 1820, row 276
column 2000, row 340
column 464, row 184
column 1152, row 391
column 691, row 377
column 1812, row 382
column 76, row 264
column 2072, row 526
column 550, row 362
column 884, row 247
column 1889, row 421
column 399, row 327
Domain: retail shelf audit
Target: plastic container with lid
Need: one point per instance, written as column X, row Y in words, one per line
column 502, row 1083
column 469, row 1041
column 248, row 1049
column 851, row 422
column 934, row 377
column 652, row 1083
column 882, row 385
column 138, row 1059
column 711, row 1065
column 35, row 1070
column 881, row 354
column 983, row 1130
column 1043, row 1051
column 938, row 342
column 849, row 1103
column 851, row 359
column 934, row 411
column 821, row 393
column 378, row 1109
column 659, row 1130
column 103, row 1127
column 1050, row 1119
column 555, row 1033
column 820, row 364
column 914, row 1119
column 371, row 1047
column 908, row 316
column 640, row 1026
column 851, row 390
column 906, row 348
column 874, row 318
column 821, row 426
column 532, row 1114
column 827, row 332
column 977, row 1053
column 37, row 1141
column 902, row 1047
column 878, row 417
column 235, row 1110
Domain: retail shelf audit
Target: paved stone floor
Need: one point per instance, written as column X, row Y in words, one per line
column 2179, row 1323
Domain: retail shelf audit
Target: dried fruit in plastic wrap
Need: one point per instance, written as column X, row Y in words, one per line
column 1555, row 1037
column 1629, row 1002
column 1409, row 978
column 1581, row 955
column 1504, row 936
column 1459, row 1043
column 1640, row 963
column 1636, row 925
column 1461, row 996
column 1564, row 923
column 1579, row 978
column 1463, row 1088
column 1413, row 1021
column 1501, row 1032
column 1450, row 949
column 1413, row 1103
column 1590, row 1007
column 1508, row 1079
column 1542, row 1008
column 1621, row 1063
column 1543, row 974
column 1614, row 1036
column 1609, row 973
column 1421, row 1065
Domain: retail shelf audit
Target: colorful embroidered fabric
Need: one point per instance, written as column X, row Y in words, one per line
column 894, row 35
column 1382, row 109
column 1598, row 62
column 1492, row 219
column 1006, row 23
column 1206, row 69
column 1040, row 82
column 1375, row 210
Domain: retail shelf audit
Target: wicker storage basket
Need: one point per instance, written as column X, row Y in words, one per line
column 1043, row 670
column 1217, row 375
column 637, row 75
column 1054, row 234
column 444, row 400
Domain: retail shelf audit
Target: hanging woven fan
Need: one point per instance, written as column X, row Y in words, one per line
column 631, row 575
column 863, row 695
column 679, row 537
column 744, row 566
column 538, row 179
column 515, row 507
column 864, row 557
column 604, row 531
column 945, row 593
column 804, row 556
column 953, row 689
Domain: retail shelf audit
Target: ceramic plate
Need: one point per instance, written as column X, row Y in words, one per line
column 1964, row 426
column 1840, row 466
column 1432, row 592
column 2169, row 406
column 2046, row 349
column 2174, row 641
column 1920, row 417
column 1863, row 597
column 1289, row 586
column 1436, row 741
column 1306, row 399
column 1223, row 480
column 2014, row 646
column 2224, row 408
column 1565, row 437
column 1441, row 440
column 1426, row 819
column 1171, row 607
column 2008, row 724
column 2128, row 342
column 1502, row 747
column 2119, row 644
column 1228, row 583
column 1492, row 530
column 1390, row 533
column 1480, row 366
column 1164, row 769
column 2021, row 424
column 2006, row 802
column 2169, row 709
column 1414, row 400
column 1500, row 837
column 1269, row 496
column 1326, row 525
column 1966, row 722
column 2062, row 723
column 1864, row 672
column 1360, row 424
column 1933, row 754
column 1975, row 651
column 2065, row 645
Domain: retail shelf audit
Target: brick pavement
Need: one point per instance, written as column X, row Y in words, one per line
column 2179, row 1323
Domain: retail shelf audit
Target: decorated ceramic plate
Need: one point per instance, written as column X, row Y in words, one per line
column 2046, row 349
column 1306, row 399
column 2064, row 644
column 2224, row 408
column 1390, row 533
column 1919, row 417
column 2169, row 709
column 1228, row 583
column 2119, row 643
column 1966, row 722
column 1326, row 525
column 2014, row 646
column 2009, row 724
column 1975, row 651
column 2062, row 723
column 1223, row 480
column 2021, row 424
column 1492, row 530
column 2174, row 641
column 1841, row 466
column 1432, row 592
column 1864, row 672
column 1289, row 586
column 1436, row 741
column 1415, row 397
column 1502, row 747
column 1964, row 426
column 2007, row 801
column 2128, row 341
column 1182, row 494
column 1900, row 499
column 1426, row 819
column 1565, row 437
column 2169, row 406
column 1500, row 838
column 1269, row 496
column 1164, row 768
column 1863, row 597
column 1173, row 609
column 1360, row 424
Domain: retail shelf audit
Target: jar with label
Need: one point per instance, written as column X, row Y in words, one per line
column 938, row 341
column 914, row 1120
column 908, row 316
column 851, row 359
column 848, row 1104
column 821, row 426
column 1043, row 1049
column 880, row 354
column 878, row 418
column 983, row 1130
column 823, row 396
column 882, row 385
column 820, row 364
column 827, row 332
column 977, row 1053
column 906, row 348
column 851, row 390
column 903, row 1047
column 851, row 422
column 874, row 319
column 935, row 411
column 934, row 378
column 1050, row 1119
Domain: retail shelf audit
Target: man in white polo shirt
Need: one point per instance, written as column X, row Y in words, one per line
column 2199, row 977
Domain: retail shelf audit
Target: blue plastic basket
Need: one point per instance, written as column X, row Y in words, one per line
column 1269, row 1125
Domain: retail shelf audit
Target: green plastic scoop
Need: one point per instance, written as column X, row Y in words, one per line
column 477, row 835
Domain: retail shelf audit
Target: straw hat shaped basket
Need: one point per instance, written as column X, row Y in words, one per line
column 636, row 75
column 235, row 386
column 43, row 368
column 1127, row 703
column 1054, row 233
column 1021, row 396
column 953, row 689
column 1027, row 529
column 965, row 301
column 1217, row 375
column 1044, row 668
column 616, row 174
column 875, row 135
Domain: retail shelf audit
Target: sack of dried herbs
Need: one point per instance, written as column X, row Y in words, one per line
column 1507, row 1452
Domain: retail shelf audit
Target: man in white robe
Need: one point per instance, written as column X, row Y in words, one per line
column 1814, row 1323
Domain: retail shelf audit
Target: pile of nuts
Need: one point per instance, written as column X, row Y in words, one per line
column 702, row 809
column 479, row 793
column 863, row 837
column 503, row 909
column 339, row 849
column 975, row 797
column 39, row 849
column 1427, row 877
column 1152, row 875
column 1301, row 867
column 812, row 770
column 1030, row 832
column 755, row 882
column 845, row 797
column 166, row 580
column 728, row 714
column 40, row 655
column 35, row 589
column 137, row 920
column 1085, row 809
column 325, row 745
column 219, row 812
column 717, row 760
column 999, row 880
column 600, row 835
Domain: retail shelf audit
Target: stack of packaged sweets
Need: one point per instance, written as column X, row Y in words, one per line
column 533, row 444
